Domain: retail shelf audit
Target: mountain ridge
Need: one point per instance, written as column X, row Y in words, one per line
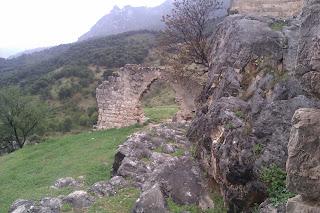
column 129, row 19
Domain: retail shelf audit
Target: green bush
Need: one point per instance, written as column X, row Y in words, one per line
column 65, row 92
column 83, row 120
column 257, row 149
column 66, row 125
column 278, row 25
column 275, row 178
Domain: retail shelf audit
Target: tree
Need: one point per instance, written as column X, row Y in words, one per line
column 20, row 115
column 189, row 25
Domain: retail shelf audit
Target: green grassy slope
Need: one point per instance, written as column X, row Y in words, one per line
column 29, row 172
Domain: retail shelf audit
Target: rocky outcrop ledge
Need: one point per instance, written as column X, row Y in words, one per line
column 303, row 165
column 160, row 162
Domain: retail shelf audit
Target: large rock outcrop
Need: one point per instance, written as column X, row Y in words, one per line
column 160, row 163
column 274, row 8
column 303, row 165
column 244, row 113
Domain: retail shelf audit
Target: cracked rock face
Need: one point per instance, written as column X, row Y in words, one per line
column 160, row 163
column 303, row 165
column 244, row 113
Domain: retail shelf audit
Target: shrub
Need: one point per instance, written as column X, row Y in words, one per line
column 275, row 178
column 66, row 125
column 83, row 120
column 257, row 149
column 65, row 92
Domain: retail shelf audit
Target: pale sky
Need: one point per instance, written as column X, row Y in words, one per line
column 27, row 24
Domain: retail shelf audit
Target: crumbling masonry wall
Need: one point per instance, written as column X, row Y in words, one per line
column 119, row 98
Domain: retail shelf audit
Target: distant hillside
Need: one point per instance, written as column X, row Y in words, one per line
column 129, row 19
column 6, row 52
column 28, row 52
column 66, row 76
column 111, row 52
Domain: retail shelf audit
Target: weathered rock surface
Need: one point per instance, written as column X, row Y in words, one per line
column 21, row 206
column 108, row 188
column 66, row 182
column 308, row 62
column 303, row 165
column 143, row 160
column 298, row 205
column 151, row 200
column 79, row 199
column 244, row 113
column 54, row 204
column 268, row 207
column 268, row 7
column 46, row 205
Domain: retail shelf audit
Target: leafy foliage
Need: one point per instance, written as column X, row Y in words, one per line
column 275, row 178
column 257, row 149
column 189, row 23
column 20, row 115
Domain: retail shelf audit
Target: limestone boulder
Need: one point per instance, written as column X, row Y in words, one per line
column 303, row 165
column 54, row 204
column 66, row 182
column 168, row 172
column 79, row 199
column 108, row 188
column 21, row 206
column 298, row 205
column 268, row 207
column 151, row 200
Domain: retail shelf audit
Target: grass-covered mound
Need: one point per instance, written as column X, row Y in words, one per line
column 29, row 173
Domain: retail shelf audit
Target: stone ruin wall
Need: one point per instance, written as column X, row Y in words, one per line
column 275, row 8
column 119, row 98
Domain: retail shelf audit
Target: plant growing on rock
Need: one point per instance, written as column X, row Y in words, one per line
column 275, row 178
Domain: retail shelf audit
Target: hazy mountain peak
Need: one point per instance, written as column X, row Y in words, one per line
column 115, row 8
column 129, row 19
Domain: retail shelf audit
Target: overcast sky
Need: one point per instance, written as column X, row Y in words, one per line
column 26, row 24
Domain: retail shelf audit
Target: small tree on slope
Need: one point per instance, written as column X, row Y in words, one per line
column 21, row 116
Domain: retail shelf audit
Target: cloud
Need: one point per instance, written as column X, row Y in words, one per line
column 40, row 23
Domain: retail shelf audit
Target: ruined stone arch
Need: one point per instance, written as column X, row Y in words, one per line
column 119, row 98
